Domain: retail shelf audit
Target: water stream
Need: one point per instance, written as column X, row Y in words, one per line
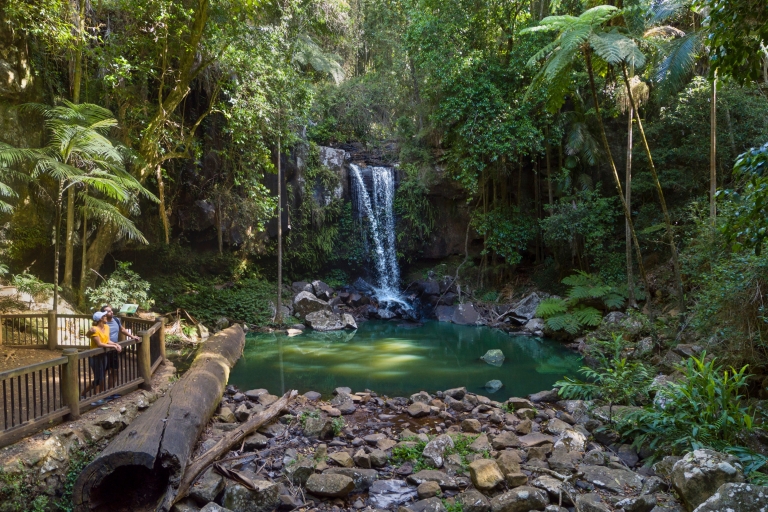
column 398, row 360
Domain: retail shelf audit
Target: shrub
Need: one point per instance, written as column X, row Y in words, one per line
column 31, row 285
column 124, row 286
column 703, row 409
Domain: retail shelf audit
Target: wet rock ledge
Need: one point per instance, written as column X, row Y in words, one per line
column 452, row 451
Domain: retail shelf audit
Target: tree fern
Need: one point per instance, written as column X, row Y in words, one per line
column 587, row 316
column 551, row 306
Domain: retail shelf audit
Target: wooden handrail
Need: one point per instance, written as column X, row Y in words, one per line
column 99, row 350
column 24, row 315
column 9, row 374
column 152, row 330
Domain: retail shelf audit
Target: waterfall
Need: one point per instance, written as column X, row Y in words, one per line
column 378, row 208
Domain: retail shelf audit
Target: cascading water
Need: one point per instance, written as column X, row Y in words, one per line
column 378, row 208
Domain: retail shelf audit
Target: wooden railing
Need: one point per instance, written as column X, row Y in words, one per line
column 38, row 395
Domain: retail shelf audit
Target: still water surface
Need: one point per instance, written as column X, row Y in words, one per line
column 397, row 360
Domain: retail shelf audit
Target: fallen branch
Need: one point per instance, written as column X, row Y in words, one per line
column 231, row 439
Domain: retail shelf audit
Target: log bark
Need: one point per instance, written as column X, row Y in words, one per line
column 153, row 451
column 231, row 439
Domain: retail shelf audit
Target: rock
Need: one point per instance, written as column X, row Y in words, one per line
column 362, row 459
column 545, row 396
column 207, row 488
column 493, row 385
column 515, row 403
column 362, row 478
column 516, row 479
column 628, row 455
column 525, row 310
column 385, row 494
column 471, row 425
column 343, row 459
column 614, row 318
column 378, row 458
column 221, row 323
column 591, row 502
column 226, row 415
column 385, row 444
column 485, row 474
column 556, row 426
column 374, row 438
column 481, row 444
column 435, row 450
column 305, row 303
column 700, row 473
column 187, row 505
column 254, row 394
column 505, row 440
column 535, row 439
column 643, row 347
column 508, row 462
column 428, row 505
column 613, row 479
column 421, row 396
column 266, row 399
column 300, row 471
column 301, row 286
column 254, row 442
column 213, row 507
column 456, row 393
column 329, row 485
column 642, row 503
column 563, row 460
column 571, row 440
column 687, row 350
column 264, row 498
column 520, row 499
column 322, row 290
column 312, row 396
column 553, row 487
column 342, row 390
column 344, row 403
column 432, row 475
column 324, row 321
column 242, row 413
column 418, row 409
column 319, row 428
column 465, row 314
column 738, row 497
column 473, row 501
column 428, row 490
column 494, row 357
column 663, row 468
column 444, row 313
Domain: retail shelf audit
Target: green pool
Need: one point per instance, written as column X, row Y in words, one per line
column 394, row 359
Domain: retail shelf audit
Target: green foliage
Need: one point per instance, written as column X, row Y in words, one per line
column 412, row 453
column 32, row 285
column 124, row 286
column 337, row 424
column 454, row 506
column 747, row 223
column 507, row 232
column 77, row 462
column 754, row 464
column 415, row 214
column 571, row 314
column 305, row 415
column 703, row 409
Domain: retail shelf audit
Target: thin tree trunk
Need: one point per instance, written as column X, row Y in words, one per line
column 279, row 305
column 628, row 184
column 627, row 214
column 219, row 225
column 713, row 153
column 69, row 249
column 161, row 197
column 83, row 265
column 667, row 219
column 56, row 247
column 549, row 172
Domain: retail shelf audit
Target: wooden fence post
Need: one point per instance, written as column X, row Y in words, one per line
column 162, row 320
column 2, row 328
column 53, row 330
column 145, row 362
column 70, row 383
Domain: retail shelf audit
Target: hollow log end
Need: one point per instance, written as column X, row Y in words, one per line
column 96, row 483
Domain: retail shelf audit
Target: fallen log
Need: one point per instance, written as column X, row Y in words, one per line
column 229, row 440
column 140, row 463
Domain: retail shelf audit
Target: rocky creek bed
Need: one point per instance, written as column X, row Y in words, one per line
column 451, row 451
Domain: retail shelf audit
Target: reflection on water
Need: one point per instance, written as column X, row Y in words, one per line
column 396, row 360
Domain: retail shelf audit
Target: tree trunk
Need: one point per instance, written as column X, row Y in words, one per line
column 56, row 246
column 279, row 305
column 83, row 264
column 713, row 153
column 628, row 184
column 627, row 214
column 161, row 197
column 153, row 452
column 549, row 172
column 667, row 219
column 219, row 226
column 98, row 250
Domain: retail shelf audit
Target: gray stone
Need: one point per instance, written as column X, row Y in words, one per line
column 418, row 409
column 299, row 471
column 473, row 501
column 320, row 428
column 264, row 498
column 485, row 474
column 186, row 505
column 535, row 439
column 613, row 479
column 556, row 426
column 700, row 473
column 329, row 485
column 591, row 502
column 435, row 450
column 312, row 396
column 421, row 396
column 254, row 394
column 642, row 503
column 322, row 290
column 428, row 505
column 493, row 385
column 545, row 396
column 553, row 487
column 305, row 303
column 379, row 458
column 741, row 497
column 226, row 415
column 362, row 478
column 362, row 459
column 444, row 313
column 301, row 286
column 343, row 459
column 344, row 403
column 505, row 440
column 494, row 357
column 509, row 462
column 628, row 455
column 242, row 413
column 213, row 507
column 465, row 314
column 324, row 321
column 385, row 494
column 342, row 390
column 516, row 403
column 254, row 442
column 471, row 425
column 456, row 393
column 520, row 499
column 430, row 475
column 207, row 488
column 481, row 444
column 427, row 490
column 535, row 325
column 614, row 318
column 525, row 310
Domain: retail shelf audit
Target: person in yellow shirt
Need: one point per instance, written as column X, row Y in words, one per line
column 100, row 363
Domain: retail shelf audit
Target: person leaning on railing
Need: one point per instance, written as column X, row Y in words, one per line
column 101, row 363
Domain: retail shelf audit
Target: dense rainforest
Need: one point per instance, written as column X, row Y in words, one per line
column 615, row 155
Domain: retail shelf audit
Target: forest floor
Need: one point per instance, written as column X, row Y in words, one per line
column 15, row 357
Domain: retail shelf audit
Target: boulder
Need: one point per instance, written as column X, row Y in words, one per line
column 545, row 396
column 343, row 459
column 428, row 287
column 553, row 487
column 432, row 475
column 535, row 325
column 485, row 474
column 386, row 494
column 473, row 501
column 642, row 503
column 471, row 425
column 428, row 505
column 300, row 470
column 481, row 444
column 444, row 313
column 418, row 409
column 700, row 473
column 207, row 488
column 320, row 428
column 505, row 440
column 305, row 303
column 324, row 321
column 362, row 478
column 465, row 314
column 525, row 310
column 328, row 485
column 254, row 442
column 614, row 318
column 508, row 462
column 263, row 498
column 616, row 480
column 456, row 393
column 344, row 403
column 520, row 499
column 494, row 357
column 493, row 386
column 591, row 502
column 435, row 450
column 322, row 290
column 301, row 286
column 741, row 497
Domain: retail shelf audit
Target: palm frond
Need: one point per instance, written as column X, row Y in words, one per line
column 616, row 48
column 109, row 214
column 679, row 62
column 667, row 9
column 309, row 53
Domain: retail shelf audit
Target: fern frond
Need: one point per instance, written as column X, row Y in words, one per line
column 588, row 316
column 551, row 306
column 564, row 322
